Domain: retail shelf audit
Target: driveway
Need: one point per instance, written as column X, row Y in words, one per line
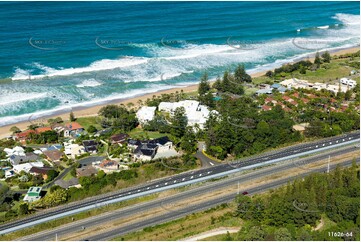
column 206, row 162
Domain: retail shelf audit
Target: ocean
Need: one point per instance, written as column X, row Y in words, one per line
column 58, row 56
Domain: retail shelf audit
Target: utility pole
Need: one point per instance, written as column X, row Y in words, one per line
column 56, row 237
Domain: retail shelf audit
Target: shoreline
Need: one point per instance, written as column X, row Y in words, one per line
column 80, row 112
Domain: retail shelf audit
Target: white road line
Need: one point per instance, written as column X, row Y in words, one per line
column 211, row 163
column 183, row 179
column 157, row 186
column 191, row 177
column 343, row 139
column 175, row 181
column 208, row 172
column 200, row 174
column 323, row 144
column 139, row 190
column 147, row 188
column 166, row 183
column 316, row 146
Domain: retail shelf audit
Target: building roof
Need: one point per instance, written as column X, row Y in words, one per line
column 42, row 129
column 107, row 163
column 117, row 138
column 34, row 191
column 53, row 155
column 66, row 184
column 266, row 108
column 73, row 126
column 40, row 170
column 25, row 134
column 162, row 140
column 86, row 171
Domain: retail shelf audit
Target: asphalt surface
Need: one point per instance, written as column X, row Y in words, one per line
column 206, row 162
column 185, row 177
column 166, row 203
column 172, row 215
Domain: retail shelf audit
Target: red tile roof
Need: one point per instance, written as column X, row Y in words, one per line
column 305, row 100
column 296, row 95
column 266, row 108
column 74, row 126
column 42, row 129
column 25, row 134
column 287, row 98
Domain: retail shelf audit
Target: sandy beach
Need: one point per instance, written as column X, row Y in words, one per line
column 92, row 111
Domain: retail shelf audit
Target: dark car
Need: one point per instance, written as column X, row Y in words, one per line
column 244, row 193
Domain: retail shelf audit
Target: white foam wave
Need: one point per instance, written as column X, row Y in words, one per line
column 323, row 27
column 16, row 97
column 105, row 64
column 89, row 83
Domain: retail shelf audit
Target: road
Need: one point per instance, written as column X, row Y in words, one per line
column 206, row 162
column 172, row 215
column 196, row 192
column 182, row 179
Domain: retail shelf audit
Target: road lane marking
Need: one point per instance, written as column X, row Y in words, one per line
column 211, row 163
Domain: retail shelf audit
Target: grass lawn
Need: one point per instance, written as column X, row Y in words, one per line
column 87, row 121
column 68, row 176
column 338, row 68
column 140, row 133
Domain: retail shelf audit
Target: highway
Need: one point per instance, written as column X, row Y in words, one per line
column 182, row 179
column 172, row 215
column 195, row 192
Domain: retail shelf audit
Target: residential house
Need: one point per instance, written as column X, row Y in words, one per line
column 86, row 171
column 109, row 166
column 53, row 155
column 17, row 150
column 72, row 150
column 90, row 146
column 27, row 166
column 145, row 152
column 119, row 138
column 42, row 130
column 264, row 91
column 43, row 171
column 266, row 108
column 163, row 143
column 24, row 136
column 73, row 129
column 73, row 182
column 145, row 114
column 9, row 173
column 19, row 159
column 33, row 194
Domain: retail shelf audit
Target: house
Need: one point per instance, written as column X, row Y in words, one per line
column 72, row 150
column 73, row 182
column 119, row 138
column 264, row 86
column 266, row 108
column 145, row 114
column 19, row 159
column 53, row 155
column 163, row 143
column 33, row 194
column 42, row 130
column 305, row 100
column 55, row 147
column 196, row 114
column 270, row 100
column 25, row 135
column 287, row 98
column 43, row 171
column 9, row 173
column 17, row 150
column 27, row 166
column 90, row 146
column 109, row 166
column 145, row 152
column 73, row 129
column 264, row 91
column 86, row 171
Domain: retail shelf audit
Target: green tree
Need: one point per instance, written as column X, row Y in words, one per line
column 15, row 130
column 72, row 117
column 240, row 75
column 52, row 174
column 317, row 60
column 188, row 141
column 203, row 86
column 23, row 209
column 326, row 57
column 255, row 233
column 179, row 122
column 91, row 129
column 282, row 234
